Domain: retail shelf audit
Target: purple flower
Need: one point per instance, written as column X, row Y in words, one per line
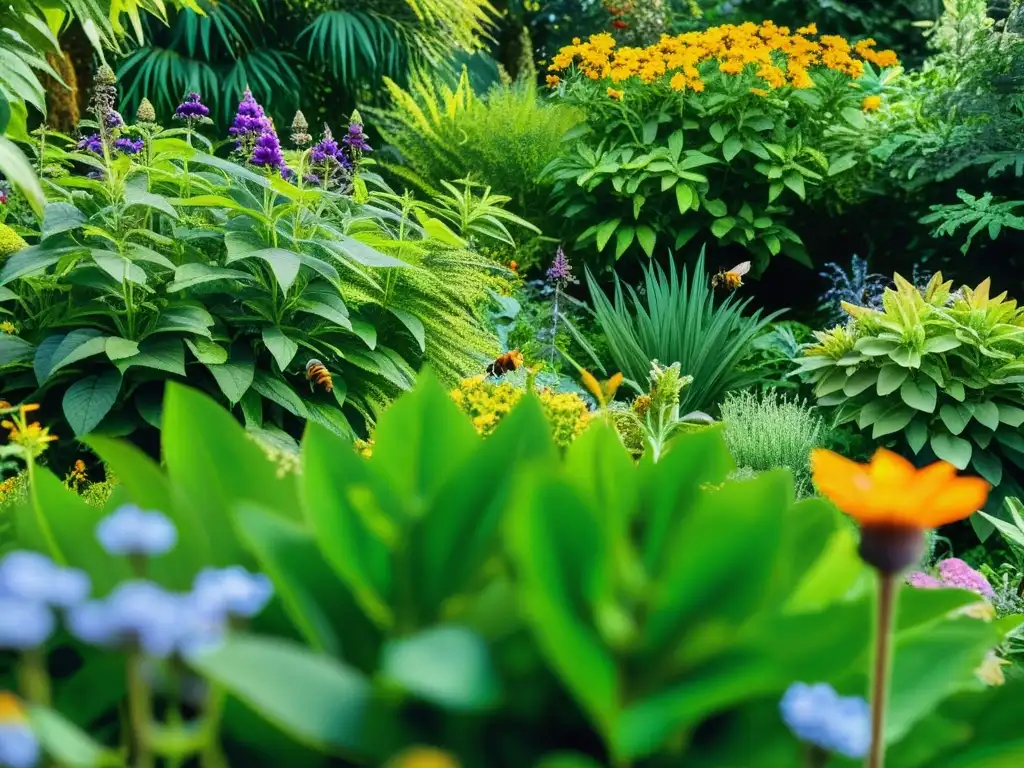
column 560, row 271
column 267, row 151
column 817, row 715
column 18, row 745
column 232, row 591
column 128, row 146
column 144, row 615
column 3, row 197
column 922, row 580
column 312, row 179
column 326, row 150
column 35, row 577
column 250, row 121
column 24, row 623
column 192, row 109
column 288, row 174
column 355, row 140
column 92, row 143
column 956, row 573
column 113, row 120
column 129, row 530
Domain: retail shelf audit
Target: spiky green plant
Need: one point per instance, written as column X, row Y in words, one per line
column 766, row 431
column 679, row 320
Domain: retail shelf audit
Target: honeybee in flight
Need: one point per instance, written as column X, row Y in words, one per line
column 509, row 361
column 731, row 279
column 317, row 373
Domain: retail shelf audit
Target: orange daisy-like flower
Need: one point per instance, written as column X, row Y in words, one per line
column 894, row 502
column 890, row 491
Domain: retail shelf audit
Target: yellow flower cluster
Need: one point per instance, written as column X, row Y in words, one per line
column 778, row 56
column 488, row 402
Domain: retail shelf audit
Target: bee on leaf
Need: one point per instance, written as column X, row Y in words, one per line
column 731, row 279
column 318, row 375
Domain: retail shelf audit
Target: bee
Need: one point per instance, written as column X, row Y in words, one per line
column 733, row 278
column 509, row 361
column 317, row 373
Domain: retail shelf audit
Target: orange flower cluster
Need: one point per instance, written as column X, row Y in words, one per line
column 778, row 56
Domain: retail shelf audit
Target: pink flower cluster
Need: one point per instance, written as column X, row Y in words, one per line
column 953, row 573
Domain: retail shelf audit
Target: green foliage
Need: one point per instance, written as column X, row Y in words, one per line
column 647, row 602
column 503, row 139
column 293, row 47
column 665, row 158
column 934, row 372
column 180, row 264
column 1011, row 530
column 982, row 214
column 765, row 431
column 679, row 320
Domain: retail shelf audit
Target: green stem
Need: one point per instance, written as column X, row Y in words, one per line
column 140, row 710
column 212, row 756
column 883, row 658
column 817, row 757
column 34, row 679
column 41, row 520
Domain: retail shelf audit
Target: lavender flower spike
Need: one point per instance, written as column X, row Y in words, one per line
column 355, row 140
column 267, row 151
column 129, row 146
column 191, row 109
column 250, row 122
column 91, row 143
column 560, row 271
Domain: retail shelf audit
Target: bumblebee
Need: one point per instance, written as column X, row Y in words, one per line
column 317, row 373
column 731, row 279
column 510, row 361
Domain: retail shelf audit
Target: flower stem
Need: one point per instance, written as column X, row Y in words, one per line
column 34, row 679
column 140, row 712
column 817, row 757
column 212, row 756
column 883, row 659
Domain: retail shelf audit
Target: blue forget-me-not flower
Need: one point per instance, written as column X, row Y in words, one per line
column 133, row 531
column 818, row 715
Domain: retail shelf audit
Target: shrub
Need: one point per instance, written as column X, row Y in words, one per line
column 720, row 131
column 536, row 601
column 169, row 262
column 487, row 402
column 679, row 320
column 504, row 139
column 933, row 372
column 765, row 431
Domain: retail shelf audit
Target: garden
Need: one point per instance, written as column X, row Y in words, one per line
column 511, row 383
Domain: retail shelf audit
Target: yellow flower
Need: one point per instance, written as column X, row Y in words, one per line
column 8, row 327
column 991, row 670
column 11, row 709
column 423, row 757
column 32, row 437
column 614, row 94
column 678, row 82
column 890, row 491
column 553, row 80
column 759, row 92
column 603, row 392
column 810, row 29
column 871, row 103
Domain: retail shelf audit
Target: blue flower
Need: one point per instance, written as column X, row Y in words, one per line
column 18, row 747
column 91, row 143
column 131, row 531
column 32, row 576
column 818, row 715
column 232, row 591
column 24, row 623
column 129, row 146
column 142, row 614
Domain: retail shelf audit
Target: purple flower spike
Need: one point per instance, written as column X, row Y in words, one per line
column 114, row 120
column 956, row 573
column 127, row 146
column 250, row 121
column 192, row 109
column 92, row 143
column 267, row 151
column 326, row 150
column 355, row 139
column 560, row 271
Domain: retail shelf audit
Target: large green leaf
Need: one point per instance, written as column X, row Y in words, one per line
column 193, row 274
column 88, row 400
column 68, row 744
column 318, row 603
column 890, row 378
column 162, row 354
column 280, row 345
column 17, row 169
column 920, row 393
column 447, row 665
column 354, row 530
column 61, row 217
column 14, row 349
column 272, row 387
column 955, row 450
column 236, row 375
column 315, row 699
column 562, row 559
column 215, row 466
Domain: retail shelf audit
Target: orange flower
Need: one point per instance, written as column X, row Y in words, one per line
column 603, row 392
column 890, row 491
column 553, row 80
column 423, row 757
column 11, row 710
column 871, row 103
